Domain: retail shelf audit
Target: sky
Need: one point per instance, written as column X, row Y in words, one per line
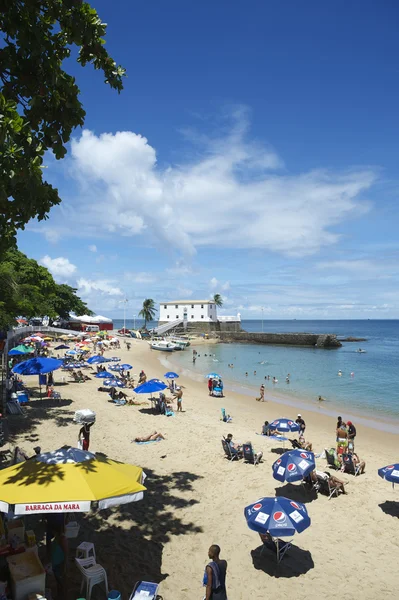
column 253, row 153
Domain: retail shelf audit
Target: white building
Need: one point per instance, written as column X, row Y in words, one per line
column 196, row 311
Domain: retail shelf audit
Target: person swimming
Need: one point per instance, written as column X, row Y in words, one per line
column 339, row 373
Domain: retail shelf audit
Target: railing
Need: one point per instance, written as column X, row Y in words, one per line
column 161, row 329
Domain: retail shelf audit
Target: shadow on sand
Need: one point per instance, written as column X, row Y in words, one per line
column 296, row 492
column 296, row 562
column 390, row 507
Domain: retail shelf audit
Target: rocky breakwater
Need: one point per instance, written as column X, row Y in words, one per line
column 325, row 340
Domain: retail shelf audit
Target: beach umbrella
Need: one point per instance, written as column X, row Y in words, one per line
column 390, row 473
column 94, row 360
column 213, row 376
column 126, row 366
column 293, row 465
column 71, row 353
column 114, row 383
column 15, row 352
column 171, row 375
column 48, row 339
column 284, row 425
column 154, row 385
column 62, row 347
column 104, row 375
column 69, row 480
column 280, row 517
column 37, row 366
column 19, row 350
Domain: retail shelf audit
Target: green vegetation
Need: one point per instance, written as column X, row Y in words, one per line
column 218, row 300
column 29, row 289
column 39, row 100
column 148, row 311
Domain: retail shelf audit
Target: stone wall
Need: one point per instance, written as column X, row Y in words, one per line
column 286, row 339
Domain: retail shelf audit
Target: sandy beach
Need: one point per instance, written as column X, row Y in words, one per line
column 196, row 497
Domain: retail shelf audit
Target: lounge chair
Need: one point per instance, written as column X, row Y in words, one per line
column 348, row 466
column 332, row 459
column 277, row 546
column 76, row 377
column 225, row 418
column 249, row 454
column 145, row 589
column 230, row 454
column 295, row 444
column 324, row 485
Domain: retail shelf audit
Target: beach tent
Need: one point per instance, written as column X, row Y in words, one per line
column 69, row 480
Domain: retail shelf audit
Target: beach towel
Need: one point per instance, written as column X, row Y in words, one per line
column 279, row 438
column 149, row 441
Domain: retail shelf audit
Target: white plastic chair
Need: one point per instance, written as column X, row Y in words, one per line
column 86, row 550
column 92, row 575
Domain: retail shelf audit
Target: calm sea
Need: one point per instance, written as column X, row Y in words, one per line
column 372, row 390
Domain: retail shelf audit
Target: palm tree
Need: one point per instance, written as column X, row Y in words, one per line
column 218, row 300
column 148, row 311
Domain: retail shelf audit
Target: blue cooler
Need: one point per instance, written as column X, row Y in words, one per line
column 23, row 397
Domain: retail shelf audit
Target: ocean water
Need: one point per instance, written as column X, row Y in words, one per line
column 372, row 390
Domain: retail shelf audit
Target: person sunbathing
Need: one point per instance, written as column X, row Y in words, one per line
column 304, row 444
column 133, row 402
column 152, row 437
column 267, row 431
column 334, row 481
column 358, row 463
column 235, row 448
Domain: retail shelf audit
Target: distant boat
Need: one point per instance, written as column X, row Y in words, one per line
column 360, row 351
column 162, row 345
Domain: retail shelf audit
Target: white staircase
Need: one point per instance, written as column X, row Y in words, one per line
column 161, row 329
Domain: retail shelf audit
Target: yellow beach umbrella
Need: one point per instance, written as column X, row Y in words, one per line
column 48, row 339
column 69, row 480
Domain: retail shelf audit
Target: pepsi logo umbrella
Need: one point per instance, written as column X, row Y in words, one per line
column 104, row 375
column 37, row 366
column 284, row 425
column 279, row 517
column 94, row 360
column 294, row 466
column 213, row 376
column 126, row 367
column 153, row 385
column 171, row 375
column 390, row 473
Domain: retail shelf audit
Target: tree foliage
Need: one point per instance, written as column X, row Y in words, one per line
column 148, row 311
column 218, row 300
column 39, row 100
column 29, row 289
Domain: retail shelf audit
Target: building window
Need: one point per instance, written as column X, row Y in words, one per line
column 192, row 316
column 176, row 306
column 177, row 316
column 167, row 316
column 202, row 316
column 202, row 306
column 165, row 306
column 210, row 306
column 192, row 306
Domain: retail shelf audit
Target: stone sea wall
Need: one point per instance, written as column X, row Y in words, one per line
column 285, row 339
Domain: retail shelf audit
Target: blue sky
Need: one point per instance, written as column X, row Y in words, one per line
column 253, row 153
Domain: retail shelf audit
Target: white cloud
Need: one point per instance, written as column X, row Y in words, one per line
column 61, row 268
column 141, row 277
column 232, row 195
column 213, row 284
column 93, row 248
column 86, row 287
column 180, row 268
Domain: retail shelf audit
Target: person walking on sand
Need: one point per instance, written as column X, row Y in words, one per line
column 85, row 434
column 210, row 386
column 215, row 575
column 179, row 397
column 262, row 393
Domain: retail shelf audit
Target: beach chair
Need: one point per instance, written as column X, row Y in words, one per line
column 145, row 589
column 92, row 574
column 295, row 444
column 249, row 454
column 225, row 418
column 332, row 459
column 324, row 485
column 348, row 466
column 217, row 392
column 277, row 546
column 230, row 454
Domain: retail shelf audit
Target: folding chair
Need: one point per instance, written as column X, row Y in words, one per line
column 276, row 545
column 348, row 466
column 229, row 452
column 295, row 444
column 225, row 418
column 331, row 458
column 249, row 454
column 324, row 485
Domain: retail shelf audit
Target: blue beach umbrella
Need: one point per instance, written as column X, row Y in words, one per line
column 62, row 347
column 104, row 375
column 280, row 517
column 154, row 385
column 126, row 366
column 293, row 466
column 390, row 473
column 37, row 366
column 171, row 375
column 114, row 383
column 94, row 360
column 212, row 376
column 71, row 353
column 284, row 425
column 16, row 352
